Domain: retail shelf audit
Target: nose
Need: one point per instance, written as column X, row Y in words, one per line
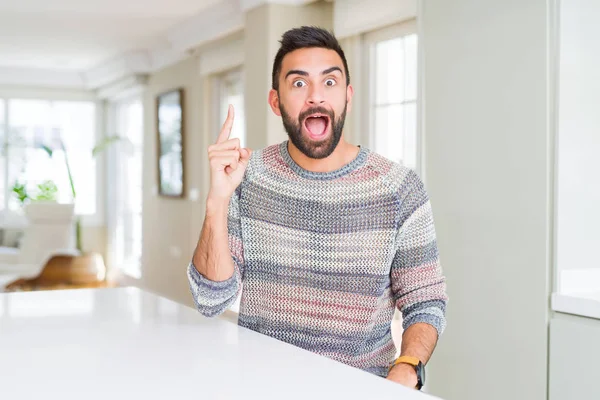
column 316, row 96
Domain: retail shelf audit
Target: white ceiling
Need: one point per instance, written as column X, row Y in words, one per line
column 76, row 35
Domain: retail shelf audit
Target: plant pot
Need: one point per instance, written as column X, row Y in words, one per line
column 49, row 212
column 69, row 269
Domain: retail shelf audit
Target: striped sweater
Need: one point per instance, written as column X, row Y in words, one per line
column 322, row 259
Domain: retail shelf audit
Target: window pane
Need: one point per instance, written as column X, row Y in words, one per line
column 390, row 71
column 135, row 256
column 410, row 135
column 389, row 122
column 128, row 196
column 34, row 123
column 32, row 166
column 30, row 122
column 393, row 70
column 77, row 121
column 410, row 56
column 131, row 119
column 134, row 181
column 2, row 153
column 232, row 92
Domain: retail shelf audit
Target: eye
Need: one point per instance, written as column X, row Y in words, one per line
column 299, row 84
column 330, row 82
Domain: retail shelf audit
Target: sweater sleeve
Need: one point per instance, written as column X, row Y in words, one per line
column 418, row 285
column 213, row 298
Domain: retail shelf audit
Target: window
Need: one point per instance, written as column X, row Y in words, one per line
column 230, row 90
column 29, row 124
column 392, row 102
column 391, row 123
column 125, row 217
column 3, row 142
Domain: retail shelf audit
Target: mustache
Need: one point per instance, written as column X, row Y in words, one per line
column 316, row 110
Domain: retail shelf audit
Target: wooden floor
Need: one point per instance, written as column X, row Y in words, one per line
column 27, row 286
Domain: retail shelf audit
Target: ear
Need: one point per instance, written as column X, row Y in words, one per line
column 349, row 95
column 274, row 102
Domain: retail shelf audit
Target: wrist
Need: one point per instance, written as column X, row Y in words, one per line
column 409, row 370
column 405, row 369
column 216, row 206
column 404, row 374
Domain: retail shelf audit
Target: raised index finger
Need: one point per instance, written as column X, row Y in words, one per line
column 226, row 129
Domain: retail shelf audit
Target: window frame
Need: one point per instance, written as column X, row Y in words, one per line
column 90, row 220
column 217, row 94
column 367, row 67
column 113, row 159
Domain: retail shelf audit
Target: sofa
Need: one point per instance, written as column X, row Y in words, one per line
column 31, row 238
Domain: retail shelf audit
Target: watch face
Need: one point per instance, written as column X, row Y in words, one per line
column 421, row 374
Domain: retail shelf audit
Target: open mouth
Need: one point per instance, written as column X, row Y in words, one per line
column 316, row 125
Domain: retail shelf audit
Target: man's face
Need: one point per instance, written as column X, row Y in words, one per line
column 312, row 100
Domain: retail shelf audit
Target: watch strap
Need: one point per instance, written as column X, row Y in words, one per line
column 414, row 361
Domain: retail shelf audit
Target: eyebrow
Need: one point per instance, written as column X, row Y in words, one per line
column 330, row 70
column 304, row 73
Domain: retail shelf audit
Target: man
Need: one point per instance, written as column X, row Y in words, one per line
column 324, row 239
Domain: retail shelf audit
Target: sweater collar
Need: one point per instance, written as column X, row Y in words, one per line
column 356, row 163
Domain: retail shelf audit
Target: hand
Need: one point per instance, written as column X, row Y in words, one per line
column 404, row 374
column 228, row 163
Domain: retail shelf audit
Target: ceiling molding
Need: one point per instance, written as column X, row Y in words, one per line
column 12, row 76
column 132, row 63
column 164, row 56
column 247, row 5
column 116, row 89
column 212, row 23
column 354, row 17
column 221, row 58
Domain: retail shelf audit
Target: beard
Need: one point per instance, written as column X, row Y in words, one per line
column 308, row 147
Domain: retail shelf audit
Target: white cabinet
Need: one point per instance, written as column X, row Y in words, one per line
column 574, row 358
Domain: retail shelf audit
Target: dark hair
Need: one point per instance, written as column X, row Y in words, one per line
column 306, row 37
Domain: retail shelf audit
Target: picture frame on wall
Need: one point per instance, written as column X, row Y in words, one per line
column 170, row 143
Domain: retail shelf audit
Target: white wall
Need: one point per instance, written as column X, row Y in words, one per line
column 488, row 157
column 578, row 227
column 168, row 222
column 575, row 339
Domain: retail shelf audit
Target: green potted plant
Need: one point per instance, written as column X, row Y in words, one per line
column 46, row 191
column 43, row 195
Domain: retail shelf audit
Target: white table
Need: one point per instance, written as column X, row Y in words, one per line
column 129, row 344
